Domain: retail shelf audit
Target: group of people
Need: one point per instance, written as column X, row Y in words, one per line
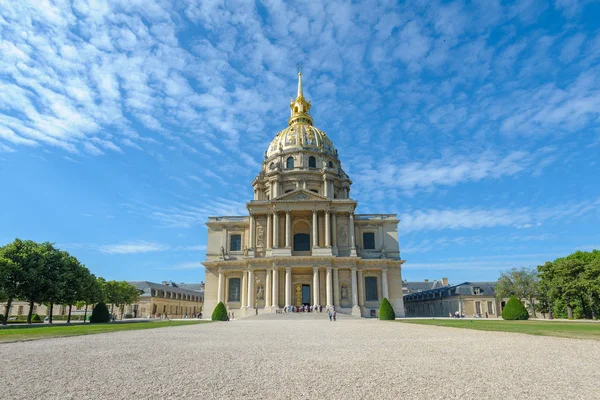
column 303, row 308
column 332, row 315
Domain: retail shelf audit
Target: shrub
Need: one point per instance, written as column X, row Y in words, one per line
column 35, row 319
column 514, row 310
column 386, row 311
column 100, row 314
column 220, row 313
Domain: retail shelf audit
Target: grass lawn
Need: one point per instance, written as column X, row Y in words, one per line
column 19, row 332
column 576, row 330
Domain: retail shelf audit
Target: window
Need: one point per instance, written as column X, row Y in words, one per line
column 476, row 290
column 369, row 241
column 371, row 288
column 235, row 243
column 330, row 164
column 301, row 242
column 289, row 163
column 234, row 289
column 490, row 308
column 314, row 191
column 312, row 162
column 478, row 308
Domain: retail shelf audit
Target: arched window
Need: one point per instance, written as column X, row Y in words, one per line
column 301, row 242
column 289, row 163
column 330, row 164
column 312, row 162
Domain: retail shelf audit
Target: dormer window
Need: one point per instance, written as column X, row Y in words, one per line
column 476, row 290
column 312, row 162
column 289, row 163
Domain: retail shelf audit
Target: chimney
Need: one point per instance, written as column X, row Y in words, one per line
column 444, row 281
column 426, row 280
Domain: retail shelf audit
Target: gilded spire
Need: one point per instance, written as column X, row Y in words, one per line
column 300, row 94
column 299, row 108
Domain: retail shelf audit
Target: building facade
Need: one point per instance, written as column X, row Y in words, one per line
column 438, row 299
column 302, row 243
column 166, row 299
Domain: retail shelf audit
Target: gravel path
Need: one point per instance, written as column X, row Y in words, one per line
column 302, row 357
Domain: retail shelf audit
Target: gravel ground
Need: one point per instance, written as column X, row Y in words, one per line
column 302, row 357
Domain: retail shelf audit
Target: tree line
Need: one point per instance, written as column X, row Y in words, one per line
column 40, row 273
column 568, row 287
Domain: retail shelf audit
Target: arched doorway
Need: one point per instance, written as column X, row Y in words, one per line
column 302, row 296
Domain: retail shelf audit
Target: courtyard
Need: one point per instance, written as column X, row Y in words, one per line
column 301, row 356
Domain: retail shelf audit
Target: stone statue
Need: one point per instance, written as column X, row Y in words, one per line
column 260, row 235
column 383, row 252
column 222, row 252
column 245, row 251
column 260, row 292
column 344, row 292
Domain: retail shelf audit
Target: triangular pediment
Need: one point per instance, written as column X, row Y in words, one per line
column 301, row 195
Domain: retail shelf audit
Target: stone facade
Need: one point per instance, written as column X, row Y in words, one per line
column 302, row 242
column 438, row 299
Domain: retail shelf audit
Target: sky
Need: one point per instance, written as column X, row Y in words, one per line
column 125, row 124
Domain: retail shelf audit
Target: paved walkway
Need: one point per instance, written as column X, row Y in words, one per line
column 302, row 356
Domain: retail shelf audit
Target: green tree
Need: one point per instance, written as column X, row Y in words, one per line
column 10, row 279
column 521, row 283
column 386, row 311
column 514, row 310
column 54, row 268
column 219, row 313
column 100, row 314
column 120, row 293
column 91, row 293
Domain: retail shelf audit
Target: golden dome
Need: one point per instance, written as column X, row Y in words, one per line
column 301, row 136
column 300, row 133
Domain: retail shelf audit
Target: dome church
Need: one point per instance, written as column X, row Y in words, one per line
column 302, row 243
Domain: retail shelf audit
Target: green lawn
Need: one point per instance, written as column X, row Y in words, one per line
column 17, row 333
column 576, row 330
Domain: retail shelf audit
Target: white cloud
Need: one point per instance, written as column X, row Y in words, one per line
column 133, row 248
column 192, row 265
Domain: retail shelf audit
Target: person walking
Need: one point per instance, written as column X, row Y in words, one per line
column 330, row 316
column 334, row 315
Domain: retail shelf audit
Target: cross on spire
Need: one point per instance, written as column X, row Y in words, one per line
column 299, row 66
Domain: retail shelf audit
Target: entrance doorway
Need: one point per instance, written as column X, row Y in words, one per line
column 306, row 295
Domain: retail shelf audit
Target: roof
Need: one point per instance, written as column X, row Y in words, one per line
column 196, row 287
column 415, row 287
column 145, row 287
column 462, row 289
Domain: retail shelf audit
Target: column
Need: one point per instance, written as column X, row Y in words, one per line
column 361, row 289
column 315, row 238
column 384, row 283
column 275, row 287
column 334, row 228
column 351, row 229
column 269, row 231
column 220, row 287
column 325, row 186
column 327, row 229
column 250, row 288
column 275, row 229
column 243, row 289
column 316, row 285
column 251, row 240
column 288, row 286
column 336, row 287
column 268, row 288
column 288, row 229
column 354, row 288
column 328, row 289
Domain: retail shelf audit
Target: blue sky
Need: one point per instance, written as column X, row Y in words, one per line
column 125, row 124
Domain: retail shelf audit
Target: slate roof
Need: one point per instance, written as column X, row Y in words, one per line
column 462, row 289
column 146, row 288
column 415, row 287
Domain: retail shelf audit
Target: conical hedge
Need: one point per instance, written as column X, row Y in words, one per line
column 514, row 310
column 386, row 311
column 220, row 312
column 100, row 314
